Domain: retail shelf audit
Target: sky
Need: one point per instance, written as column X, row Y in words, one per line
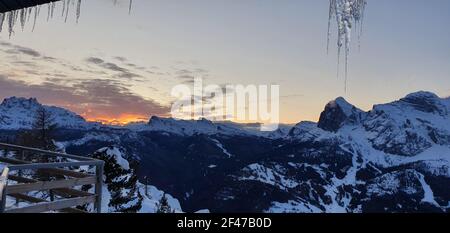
column 113, row 66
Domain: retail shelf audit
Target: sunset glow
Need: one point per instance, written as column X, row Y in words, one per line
column 119, row 121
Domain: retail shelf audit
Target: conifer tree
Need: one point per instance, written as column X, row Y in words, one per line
column 163, row 206
column 121, row 183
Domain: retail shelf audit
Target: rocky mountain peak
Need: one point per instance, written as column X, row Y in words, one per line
column 336, row 113
column 19, row 113
column 20, row 102
column 425, row 102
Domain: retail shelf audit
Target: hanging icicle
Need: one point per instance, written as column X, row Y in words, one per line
column 67, row 10
column 11, row 22
column 78, row 10
column 24, row 15
column 2, row 19
column 37, row 9
column 130, row 6
column 347, row 13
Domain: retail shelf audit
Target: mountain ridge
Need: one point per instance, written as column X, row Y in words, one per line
column 393, row 158
column 339, row 110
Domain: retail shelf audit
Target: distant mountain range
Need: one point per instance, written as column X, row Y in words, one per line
column 18, row 113
column 393, row 158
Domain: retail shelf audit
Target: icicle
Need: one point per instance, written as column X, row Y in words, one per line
column 330, row 16
column 67, row 10
column 347, row 13
column 49, row 11
column 63, row 8
column 52, row 9
column 2, row 19
column 37, row 10
column 30, row 10
column 24, row 15
column 23, row 18
column 11, row 17
column 78, row 10
column 16, row 17
column 130, row 6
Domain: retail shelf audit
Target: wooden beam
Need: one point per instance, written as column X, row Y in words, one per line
column 47, row 185
column 12, row 161
column 27, row 198
column 52, row 206
column 63, row 172
column 99, row 188
column 21, row 179
column 47, row 153
column 63, row 192
column 68, row 192
column 35, row 166
column 39, row 200
column 56, row 171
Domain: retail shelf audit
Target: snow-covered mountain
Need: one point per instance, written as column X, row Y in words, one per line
column 204, row 126
column 393, row 158
column 18, row 113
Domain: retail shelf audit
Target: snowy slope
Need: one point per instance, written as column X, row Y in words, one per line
column 18, row 113
column 150, row 199
column 204, row 126
column 404, row 145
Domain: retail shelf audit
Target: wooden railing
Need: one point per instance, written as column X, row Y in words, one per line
column 61, row 180
column 3, row 179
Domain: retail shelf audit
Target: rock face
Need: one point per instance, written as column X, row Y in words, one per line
column 337, row 113
column 409, row 126
column 394, row 158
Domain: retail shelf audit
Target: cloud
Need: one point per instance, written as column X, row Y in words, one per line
column 95, row 60
column 70, row 85
column 125, row 61
column 93, row 99
column 188, row 79
column 122, row 72
column 121, row 59
column 187, row 74
column 113, row 67
column 17, row 49
column 28, row 64
column 27, row 51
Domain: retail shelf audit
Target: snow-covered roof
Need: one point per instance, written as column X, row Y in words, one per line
column 9, row 5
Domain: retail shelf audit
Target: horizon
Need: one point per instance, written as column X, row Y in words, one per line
column 96, row 75
column 116, row 122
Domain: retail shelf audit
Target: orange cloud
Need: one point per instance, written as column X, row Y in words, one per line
column 122, row 119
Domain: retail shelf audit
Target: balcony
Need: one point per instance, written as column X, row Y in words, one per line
column 30, row 183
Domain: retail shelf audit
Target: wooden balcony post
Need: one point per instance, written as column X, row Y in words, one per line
column 3, row 186
column 22, row 157
column 98, row 186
